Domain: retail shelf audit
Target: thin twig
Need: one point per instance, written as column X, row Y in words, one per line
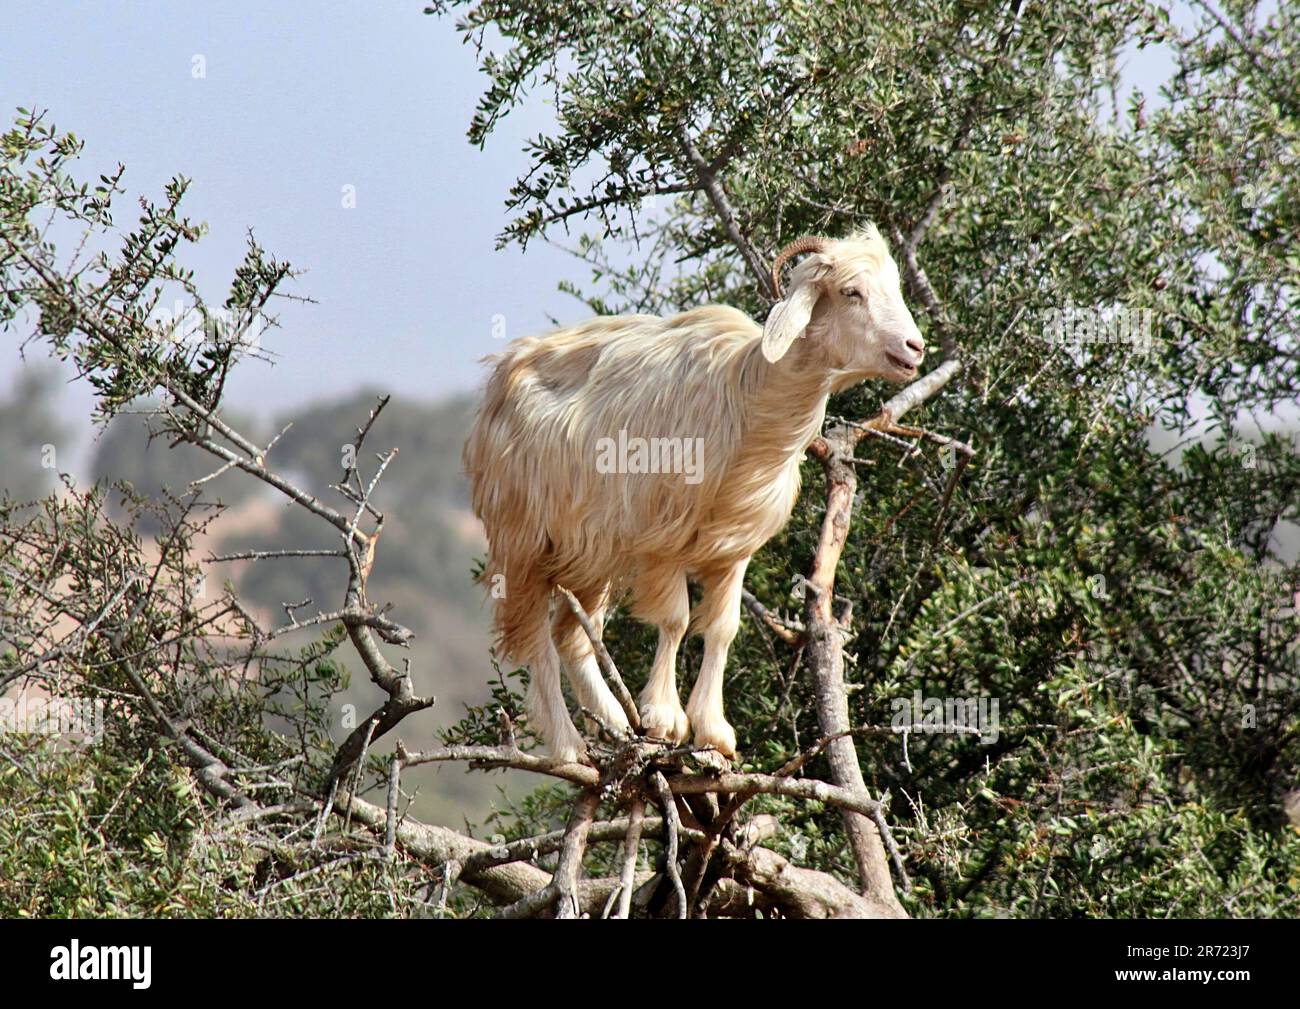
column 394, row 786
column 789, row 631
column 672, row 824
column 631, row 846
column 895, row 856
column 361, row 763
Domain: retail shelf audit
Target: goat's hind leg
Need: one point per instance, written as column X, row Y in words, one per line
column 547, row 712
column 548, row 716
column 579, row 658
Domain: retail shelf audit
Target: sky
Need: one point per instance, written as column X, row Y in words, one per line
column 296, row 102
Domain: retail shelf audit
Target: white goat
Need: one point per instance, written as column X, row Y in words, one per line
column 635, row 451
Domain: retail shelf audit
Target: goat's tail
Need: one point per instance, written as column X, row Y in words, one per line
column 513, row 576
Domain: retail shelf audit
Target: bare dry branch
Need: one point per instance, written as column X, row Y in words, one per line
column 672, row 828
column 631, row 847
column 791, row 632
column 825, row 644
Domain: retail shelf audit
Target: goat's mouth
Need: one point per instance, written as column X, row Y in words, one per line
column 901, row 364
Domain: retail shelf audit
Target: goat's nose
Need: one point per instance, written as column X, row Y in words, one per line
column 916, row 345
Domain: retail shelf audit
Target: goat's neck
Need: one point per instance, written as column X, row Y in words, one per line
column 789, row 403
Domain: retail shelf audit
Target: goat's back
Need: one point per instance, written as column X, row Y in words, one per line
column 559, row 409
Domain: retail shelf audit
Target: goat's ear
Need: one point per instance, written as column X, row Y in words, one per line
column 787, row 320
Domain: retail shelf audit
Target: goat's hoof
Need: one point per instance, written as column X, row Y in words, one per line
column 570, row 752
column 717, row 733
column 665, row 723
column 712, row 761
column 611, row 718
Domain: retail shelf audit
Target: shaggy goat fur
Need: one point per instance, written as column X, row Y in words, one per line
column 727, row 409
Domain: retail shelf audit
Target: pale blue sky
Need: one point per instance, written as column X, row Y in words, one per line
column 298, row 101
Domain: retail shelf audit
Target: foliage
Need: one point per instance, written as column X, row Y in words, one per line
column 118, row 824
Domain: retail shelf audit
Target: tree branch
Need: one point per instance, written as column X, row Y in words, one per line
column 707, row 175
column 825, row 644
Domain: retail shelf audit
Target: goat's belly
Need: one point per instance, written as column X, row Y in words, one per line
column 625, row 522
column 724, row 544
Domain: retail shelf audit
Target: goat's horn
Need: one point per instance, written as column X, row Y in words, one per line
column 809, row 243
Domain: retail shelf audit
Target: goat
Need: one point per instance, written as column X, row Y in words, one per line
column 561, row 507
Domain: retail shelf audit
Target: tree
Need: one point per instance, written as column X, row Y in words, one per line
column 1032, row 665
column 1101, row 272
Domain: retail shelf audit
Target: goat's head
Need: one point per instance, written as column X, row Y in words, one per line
column 846, row 296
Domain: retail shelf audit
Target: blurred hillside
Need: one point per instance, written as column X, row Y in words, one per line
column 425, row 558
column 30, row 434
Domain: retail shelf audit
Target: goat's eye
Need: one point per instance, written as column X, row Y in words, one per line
column 852, row 292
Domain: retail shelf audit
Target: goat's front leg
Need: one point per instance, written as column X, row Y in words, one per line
column 718, row 620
